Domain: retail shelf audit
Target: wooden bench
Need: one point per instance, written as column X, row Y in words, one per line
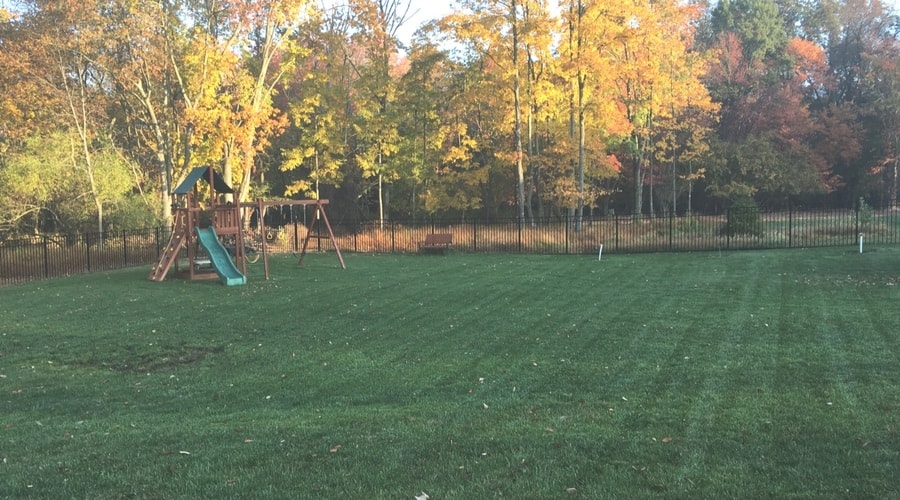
column 436, row 242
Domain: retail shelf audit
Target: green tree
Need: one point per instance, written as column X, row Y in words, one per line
column 758, row 23
column 422, row 99
column 375, row 24
column 46, row 187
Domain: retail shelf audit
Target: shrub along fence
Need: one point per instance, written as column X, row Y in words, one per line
column 44, row 257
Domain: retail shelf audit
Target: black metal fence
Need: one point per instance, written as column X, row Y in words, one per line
column 43, row 257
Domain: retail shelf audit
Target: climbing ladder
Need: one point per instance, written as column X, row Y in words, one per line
column 170, row 253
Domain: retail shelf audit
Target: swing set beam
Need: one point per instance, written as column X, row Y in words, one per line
column 261, row 205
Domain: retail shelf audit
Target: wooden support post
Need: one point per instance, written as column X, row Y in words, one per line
column 337, row 250
column 262, row 233
column 320, row 210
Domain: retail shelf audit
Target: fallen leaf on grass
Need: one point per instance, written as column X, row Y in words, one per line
column 571, row 491
column 422, row 496
column 248, row 440
column 666, row 440
column 336, row 448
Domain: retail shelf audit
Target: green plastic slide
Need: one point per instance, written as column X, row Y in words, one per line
column 219, row 257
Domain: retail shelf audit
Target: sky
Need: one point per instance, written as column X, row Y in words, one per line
column 423, row 11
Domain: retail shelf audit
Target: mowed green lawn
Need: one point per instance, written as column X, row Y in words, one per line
column 709, row 375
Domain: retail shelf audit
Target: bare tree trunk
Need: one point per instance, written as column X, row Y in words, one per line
column 579, row 170
column 638, row 184
column 78, row 100
column 895, row 172
column 520, row 169
column 530, row 191
column 579, row 216
column 381, row 198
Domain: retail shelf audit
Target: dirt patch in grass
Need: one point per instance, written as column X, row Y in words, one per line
column 147, row 362
column 857, row 281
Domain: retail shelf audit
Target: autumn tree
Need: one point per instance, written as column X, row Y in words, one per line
column 885, row 107
column 144, row 47
column 505, row 105
column 593, row 34
column 542, row 100
column 469, row 136
column 862, row 49
column 235, row 56
column 65, row 43
column 657, row 77
column 782, row 114
column 27, row 104
column 457, row 120
column 316, row 97
column 491, row 31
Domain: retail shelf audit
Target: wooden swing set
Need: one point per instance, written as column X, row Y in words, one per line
column 262, row 205
column 219, row 224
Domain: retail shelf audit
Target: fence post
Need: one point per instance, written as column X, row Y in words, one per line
column 616, row 242
column 566, row 220
column 393, row 245
column 671, row 229
column 790, row 225
column 125, row 247
column 519, row 227
column 474, row 235
column 46, row 257
column 728, row 228
column 87, row 249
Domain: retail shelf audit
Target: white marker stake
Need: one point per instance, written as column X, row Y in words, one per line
column 600, row 254
column 860, row 243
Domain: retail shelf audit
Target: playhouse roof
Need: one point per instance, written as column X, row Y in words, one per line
column 198, row 173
